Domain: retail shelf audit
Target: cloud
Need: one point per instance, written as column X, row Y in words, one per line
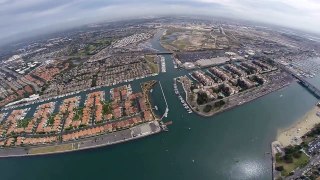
column 18, row 17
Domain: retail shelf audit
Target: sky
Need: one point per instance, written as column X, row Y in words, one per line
column 20, row 18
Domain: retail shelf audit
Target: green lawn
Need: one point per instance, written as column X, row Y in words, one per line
column 92, row 48
column 51, row 149
column 288, row 167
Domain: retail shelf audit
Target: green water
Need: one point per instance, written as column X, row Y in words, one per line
column 231, row 145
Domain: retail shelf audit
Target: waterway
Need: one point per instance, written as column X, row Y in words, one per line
column 231, row 145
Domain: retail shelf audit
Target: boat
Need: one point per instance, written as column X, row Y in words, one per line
column 165, row 128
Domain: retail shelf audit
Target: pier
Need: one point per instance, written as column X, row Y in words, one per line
column 183, row 102
column 165, row 100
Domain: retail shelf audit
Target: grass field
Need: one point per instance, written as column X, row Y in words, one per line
column 288, row 167
column 51, row 149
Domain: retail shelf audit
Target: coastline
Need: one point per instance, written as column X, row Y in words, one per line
column 291, row 135
column 223, row 109
column 24, row 151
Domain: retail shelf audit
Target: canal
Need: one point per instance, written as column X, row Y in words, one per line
column 230, row 145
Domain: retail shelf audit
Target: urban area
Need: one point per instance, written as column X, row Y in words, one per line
column 92, row 87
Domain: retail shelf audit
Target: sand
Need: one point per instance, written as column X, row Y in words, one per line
column 292, row 135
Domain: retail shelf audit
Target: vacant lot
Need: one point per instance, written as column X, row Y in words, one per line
column 189, row 40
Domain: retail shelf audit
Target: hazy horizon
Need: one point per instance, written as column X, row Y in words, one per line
column 23, row 19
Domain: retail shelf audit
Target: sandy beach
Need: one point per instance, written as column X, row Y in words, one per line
column 291, row 135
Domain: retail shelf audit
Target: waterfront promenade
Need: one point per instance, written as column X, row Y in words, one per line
column 133, row 133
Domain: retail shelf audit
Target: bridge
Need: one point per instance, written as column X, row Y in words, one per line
column 311, row 88
column 160, row 53
column 315, row 91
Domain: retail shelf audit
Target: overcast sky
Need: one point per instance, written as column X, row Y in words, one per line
column 18, row 17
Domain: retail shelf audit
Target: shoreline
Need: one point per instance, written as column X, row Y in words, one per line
column 149, row 127
column 26, row 150
column 246, row 102
column 81, row 149
column 206, row 115
column 292, row 134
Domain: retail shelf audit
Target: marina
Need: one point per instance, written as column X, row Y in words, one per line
column 192, row 144
column 67, row 126
column 183, row 102
column 163, row 64
column 175, row 66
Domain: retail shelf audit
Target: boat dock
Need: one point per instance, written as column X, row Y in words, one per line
column 168, row 123
column 164, row 125
column 163, row 64
column 165, row 100
column 183, row 102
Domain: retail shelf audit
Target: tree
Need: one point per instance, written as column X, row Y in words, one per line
column 25, row 94
column 278, row 157
column 218, row 104
column 279, row 168
column 297, row 154
column 191, row 97
column 226, row 91
column 258, row 80
column 192, row 87
column 288, row 158
column 289, row 149
column 202, row 98
column 207, row 108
